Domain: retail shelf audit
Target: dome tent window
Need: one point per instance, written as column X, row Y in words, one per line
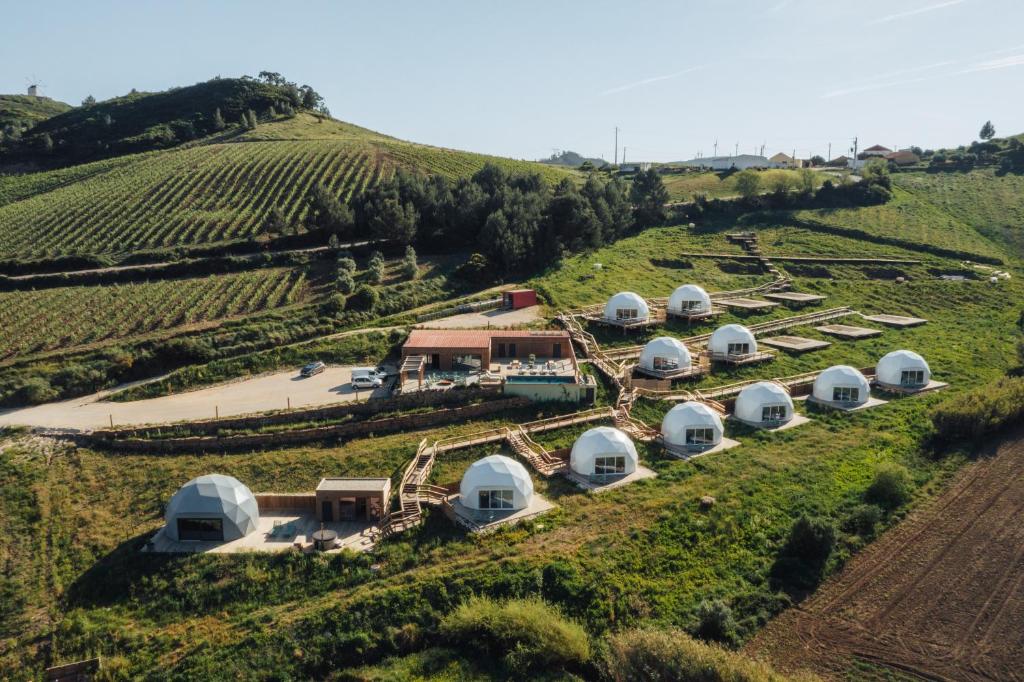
column 495, row 499
column 626, row 313
column 691, row 427
column 664, row 356
column 841, row 386
column 764, row 404
column 603, row 452
column 626, row 309
column 689, row 301
column 604, row 466
column 912, row 377
column 773, row 413
column 700, row 436
column 738, row 348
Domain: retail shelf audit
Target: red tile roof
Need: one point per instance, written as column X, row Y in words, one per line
column 470, row 338
column 877, row 148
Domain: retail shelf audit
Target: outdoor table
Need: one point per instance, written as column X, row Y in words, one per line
column 324, row 539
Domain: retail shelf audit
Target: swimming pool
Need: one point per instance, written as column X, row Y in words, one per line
column 539, row 379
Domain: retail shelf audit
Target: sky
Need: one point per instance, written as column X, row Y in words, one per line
column 526, row 78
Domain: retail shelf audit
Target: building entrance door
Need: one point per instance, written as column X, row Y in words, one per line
column 326, row 511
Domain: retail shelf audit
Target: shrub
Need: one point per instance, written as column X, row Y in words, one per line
column 345, row 283
column 376, row 271
column 891, row 488
column 980, row 412
column 529, row 634
column 364, row 298
column 473, row 270
column 35, row 390
column 811, row 540
column 334, row 305
column 409, row 266
column 862, row 519
column 346, row 264
column 670, row 655
column 715, row 622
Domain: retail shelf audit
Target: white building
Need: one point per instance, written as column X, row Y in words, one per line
column 603, row 452
column 764, row 404
column 903, row 369
column 496, row 482
column 841, row 385
column 663, row 356
column 689, row 300
column 212, row 507
column 626, row 307
column 732, row 341
column 739, row 162
column 691, row 427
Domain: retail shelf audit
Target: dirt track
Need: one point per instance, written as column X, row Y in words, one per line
column 939, row 597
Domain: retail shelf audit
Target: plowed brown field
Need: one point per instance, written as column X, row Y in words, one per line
column 941, row 596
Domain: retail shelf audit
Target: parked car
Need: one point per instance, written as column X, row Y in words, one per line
column 367, row 381
column 312, row 368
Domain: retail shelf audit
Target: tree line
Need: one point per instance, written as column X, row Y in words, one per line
column 516, row 220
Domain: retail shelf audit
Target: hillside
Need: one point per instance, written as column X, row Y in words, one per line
column 24, row 111
column 144, row 121
column 211, row 191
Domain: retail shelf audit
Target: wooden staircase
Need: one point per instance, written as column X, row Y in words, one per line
column 534, row 453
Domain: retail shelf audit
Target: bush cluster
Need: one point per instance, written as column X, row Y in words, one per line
column 978, row 413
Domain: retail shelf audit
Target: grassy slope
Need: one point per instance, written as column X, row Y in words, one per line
column 23, row 110
column 212, row 191
column 645, row 550
column 991, row 204
column 683, row 186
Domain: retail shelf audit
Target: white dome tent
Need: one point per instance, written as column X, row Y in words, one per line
column 212, row 507
column 603, row 452
column 841, row 385
column 691, row 427
column 664, row 356
column 689, row 300
column 496, row 483
column 903, row 369
column 626, row 308
column 732, row 341
column 764, row 404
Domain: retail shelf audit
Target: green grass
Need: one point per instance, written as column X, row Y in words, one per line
column 991, row 204
column 683, row 186
column 34, row 321
column 212, row 192
column 24, row 110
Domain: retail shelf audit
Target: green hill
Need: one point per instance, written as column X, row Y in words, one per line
column 211, row 191
column 24, row 111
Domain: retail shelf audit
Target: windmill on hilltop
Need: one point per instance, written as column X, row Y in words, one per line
column 33, row 84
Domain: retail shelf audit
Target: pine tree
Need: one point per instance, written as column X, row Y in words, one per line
column 88, row 101
column 218, row 120
column 409, row 266
column 46, row 142
column 252, row 120
column 988, row 131
column 243, row 121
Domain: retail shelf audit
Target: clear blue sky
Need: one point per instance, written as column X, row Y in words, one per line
column 518, row 79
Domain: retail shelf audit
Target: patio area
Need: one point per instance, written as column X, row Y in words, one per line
column 277, row 531
column 592, row 485
column 541, row 370
column 479, row 521
column 684, row 454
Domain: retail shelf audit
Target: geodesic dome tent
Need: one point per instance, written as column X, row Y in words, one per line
column 689, row 299
column 626, row 306
column 841, row 384
column 211, row 507
column 496, row 482
column 764, row 404
column 691, row 426
column 732, row 339
column 603, row 451
column 664, row 354
column 903, row 369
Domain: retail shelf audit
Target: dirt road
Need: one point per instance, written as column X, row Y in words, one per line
column 260, row 394
column 941, row 596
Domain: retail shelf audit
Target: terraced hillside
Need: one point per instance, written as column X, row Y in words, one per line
column 722, row 185
column 211, row 192
column 32, row 321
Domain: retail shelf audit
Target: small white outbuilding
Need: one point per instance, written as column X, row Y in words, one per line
column 691, row 427
column 213, row 508
column 626, row 307
column 497, row 483
column 664, row 355
column 903, row 369
column 689, row 300
column 732, row 341
column 841, row 385
column 764, row 404
column 603, row 452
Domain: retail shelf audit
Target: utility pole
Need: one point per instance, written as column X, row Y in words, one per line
column 623, row 155
column 854, row 148
column 716, row 147
column 736, row 149
column 829, row 151
column 616, row 145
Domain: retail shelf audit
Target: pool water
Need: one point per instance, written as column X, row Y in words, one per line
column 539, row 379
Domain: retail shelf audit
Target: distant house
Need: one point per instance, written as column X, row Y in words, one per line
column 839, row 162
column 740, row 162
column 876, row 150
column 634, row 167
column 781, row 160
column 903, row 157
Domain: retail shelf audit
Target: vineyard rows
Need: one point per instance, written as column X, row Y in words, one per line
column 34, row 321
column 210, row 193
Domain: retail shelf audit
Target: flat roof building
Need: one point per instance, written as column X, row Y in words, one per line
column 352, row 499
column 472, row 349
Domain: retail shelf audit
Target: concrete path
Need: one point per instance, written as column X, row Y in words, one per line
column 247, row 396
